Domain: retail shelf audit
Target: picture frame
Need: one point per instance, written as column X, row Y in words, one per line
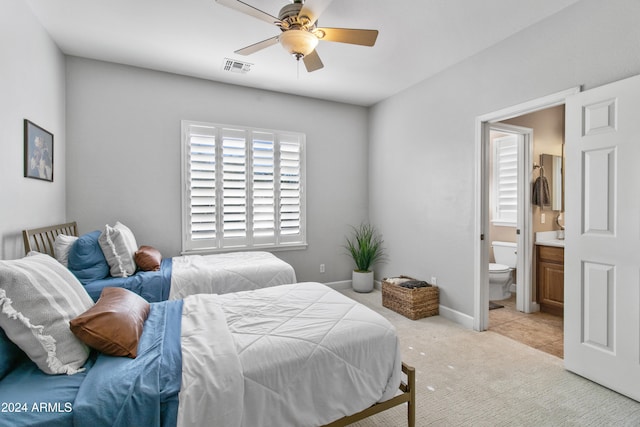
column 38, row 152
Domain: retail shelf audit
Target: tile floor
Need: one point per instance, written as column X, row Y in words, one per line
column 539, row 330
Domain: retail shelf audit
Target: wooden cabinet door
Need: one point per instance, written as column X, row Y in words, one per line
column 550, row 279
column 551, row 283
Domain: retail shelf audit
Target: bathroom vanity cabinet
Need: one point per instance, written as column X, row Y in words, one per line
column 550, row 279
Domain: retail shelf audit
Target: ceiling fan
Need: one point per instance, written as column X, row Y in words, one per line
column 300, row 33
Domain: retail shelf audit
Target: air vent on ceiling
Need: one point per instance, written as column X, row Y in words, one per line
column 236, row 66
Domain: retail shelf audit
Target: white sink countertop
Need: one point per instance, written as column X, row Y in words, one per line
column 549, row 238
column 551, row 242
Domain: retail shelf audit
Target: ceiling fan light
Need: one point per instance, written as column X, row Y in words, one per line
column 298, row 42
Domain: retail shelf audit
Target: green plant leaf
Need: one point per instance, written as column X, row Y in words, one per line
column 365, row 246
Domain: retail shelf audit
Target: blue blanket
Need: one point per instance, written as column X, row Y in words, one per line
column 154, row 286
column 29, row 397
column 119, row 391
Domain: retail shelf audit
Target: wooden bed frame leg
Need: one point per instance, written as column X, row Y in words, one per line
column 411, row 404
column 407, row 396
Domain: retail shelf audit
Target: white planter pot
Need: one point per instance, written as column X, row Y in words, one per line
column 362, row 281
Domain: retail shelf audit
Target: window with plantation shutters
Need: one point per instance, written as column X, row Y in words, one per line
column 242, row 188
column 505, row 181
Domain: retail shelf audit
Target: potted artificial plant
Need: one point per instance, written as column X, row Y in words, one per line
column 365, row 247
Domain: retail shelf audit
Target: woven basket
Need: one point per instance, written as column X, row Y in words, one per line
column 413, row 303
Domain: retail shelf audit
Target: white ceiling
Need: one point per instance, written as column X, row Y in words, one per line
column 418, row 38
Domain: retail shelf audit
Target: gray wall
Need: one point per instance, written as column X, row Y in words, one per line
column 124, row 155
column 32, row 86
column 123, row 145
column 424, row 138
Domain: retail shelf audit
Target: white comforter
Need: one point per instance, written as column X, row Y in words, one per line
column 293, row 355
column 229, row 272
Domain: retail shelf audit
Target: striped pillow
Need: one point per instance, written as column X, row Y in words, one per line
column 38, row 298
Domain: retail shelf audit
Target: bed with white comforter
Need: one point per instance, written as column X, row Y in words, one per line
column 158, row 279
column 285, row 356
column 227, row 272
column 291, row 355
column 185, row 275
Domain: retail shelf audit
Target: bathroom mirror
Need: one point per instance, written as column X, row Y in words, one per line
column 553, row 172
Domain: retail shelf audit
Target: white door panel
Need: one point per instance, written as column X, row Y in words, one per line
column 602, row 251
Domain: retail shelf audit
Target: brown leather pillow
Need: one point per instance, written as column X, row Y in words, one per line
column 114, row 324
column 148, row 258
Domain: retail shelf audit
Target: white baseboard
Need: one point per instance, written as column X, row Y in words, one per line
column 343, row 284
column 462, row 319
column 346, row 284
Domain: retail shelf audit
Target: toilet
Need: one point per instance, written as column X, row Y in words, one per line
column 500, row 272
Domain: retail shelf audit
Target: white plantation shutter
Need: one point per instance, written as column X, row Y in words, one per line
column 290, row 187
column 243, row 188
column 506, row 180
column 201, row 176
column 234, row 187
column 264, row 187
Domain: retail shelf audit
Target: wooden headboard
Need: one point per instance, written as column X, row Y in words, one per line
column 41, row 239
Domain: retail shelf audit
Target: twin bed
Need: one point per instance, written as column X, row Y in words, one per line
column 180, row 276
column 289, row 355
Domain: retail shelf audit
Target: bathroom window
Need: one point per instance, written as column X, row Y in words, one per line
column 505, row 181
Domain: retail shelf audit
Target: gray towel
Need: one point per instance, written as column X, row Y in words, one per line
column 540, row 195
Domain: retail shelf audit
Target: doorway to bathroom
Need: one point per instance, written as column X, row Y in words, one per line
column 509, row 232
column 524, row 303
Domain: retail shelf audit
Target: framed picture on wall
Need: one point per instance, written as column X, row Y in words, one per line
column 38, row 152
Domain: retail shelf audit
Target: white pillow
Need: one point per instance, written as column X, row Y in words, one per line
column 38, row 298
column 119, row 247
column 61, row 247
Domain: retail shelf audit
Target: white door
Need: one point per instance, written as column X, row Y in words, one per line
column 602, row 252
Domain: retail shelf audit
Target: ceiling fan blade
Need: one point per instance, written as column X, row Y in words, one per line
column 312, row 61
column 312, row 9
column 257, row 46
column 347, row 35
column 243, row 7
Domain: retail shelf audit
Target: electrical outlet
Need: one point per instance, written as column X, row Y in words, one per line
column 543, row 218
column 434, row 280
column 321, row 268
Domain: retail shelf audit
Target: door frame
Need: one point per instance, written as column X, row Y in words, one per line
column 481, row 216
column 523, row 221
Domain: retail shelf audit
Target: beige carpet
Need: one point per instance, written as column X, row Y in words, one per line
column 468, row 378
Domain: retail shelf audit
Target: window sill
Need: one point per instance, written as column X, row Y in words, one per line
column 209, row 251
